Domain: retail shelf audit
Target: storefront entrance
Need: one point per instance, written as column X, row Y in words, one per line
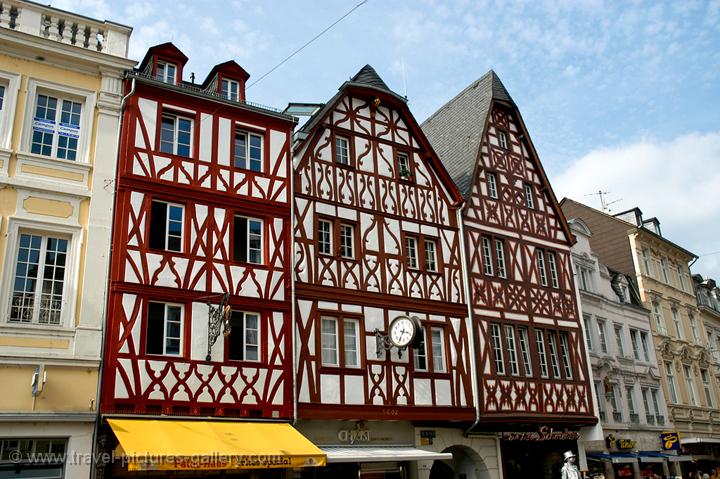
column 537, row 460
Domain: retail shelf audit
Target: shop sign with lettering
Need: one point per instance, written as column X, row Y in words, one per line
column 357, row 434
column 670, row 441
column 544, row 433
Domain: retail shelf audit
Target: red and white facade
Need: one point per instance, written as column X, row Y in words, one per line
column 533, row 374
column 202, row 209
column 376, row 237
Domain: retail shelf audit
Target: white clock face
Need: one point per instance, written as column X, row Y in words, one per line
column 402, row 331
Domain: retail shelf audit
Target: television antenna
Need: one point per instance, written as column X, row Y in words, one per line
column 604, row 204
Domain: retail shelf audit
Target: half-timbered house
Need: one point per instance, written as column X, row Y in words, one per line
column 377, row 238
column 532, row 367
column 199, row 316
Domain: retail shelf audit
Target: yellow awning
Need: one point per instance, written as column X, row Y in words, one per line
column 163, row 444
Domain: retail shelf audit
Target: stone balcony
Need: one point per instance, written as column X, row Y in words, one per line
column 64, row 27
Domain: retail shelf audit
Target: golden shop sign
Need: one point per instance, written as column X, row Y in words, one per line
column 544, row 433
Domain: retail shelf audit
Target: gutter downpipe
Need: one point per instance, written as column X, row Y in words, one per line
column 468, row 302
column 93, row 466
column 293, row 338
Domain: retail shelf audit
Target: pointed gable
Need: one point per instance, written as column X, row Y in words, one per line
column 366, row 82
column 164, row 53
column 456, row 129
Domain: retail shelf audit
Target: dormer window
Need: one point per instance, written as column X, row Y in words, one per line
column 166, row 73
column 230, row 89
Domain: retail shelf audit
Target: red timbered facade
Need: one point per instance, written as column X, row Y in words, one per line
column 202, row 210
column 532, row 368
column 376, row 237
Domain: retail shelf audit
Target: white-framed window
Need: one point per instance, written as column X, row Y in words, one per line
column 437, row 336
column 351, row 342
column 693, row 328
column 542, row 273
column 39, row 281
column 540, row 341
column 565, row 353
column 176, row 135
column 619, row 340
column 588, row 332
column 500, row 258
column 529, row 198
column 671, row 383
column 690, row 384
column 681, row 277
column 665, row 271
column 340, row 350
column 602, row 334
column 9, row 83
column 707, row 387
column 166, row 226
column 497, row 348
column 492, row 185
column 645, row 347
column 487, row 256
column 411, row 252
column 230, row 89
column 585, row 277
column 347, row 241
column 647, row 262
column 58, row 121
column 525, row 351
column 403, row 165
column 342, row 150
column 244, row 338
column 431, row 255
column 248, row 240
column 659, row 320
column 248, row 151
column 325, row 234
column 164, row 333
column 166, row 73
column 502, row 140
column 630, row 403
column 635, row 344
column 420, row 356
column 553, row 270
column 601, row 401
column 645, row 392
column 554, row 362
column 612, row 397
column 676, row 322
column 656, row 404
column 511, row 350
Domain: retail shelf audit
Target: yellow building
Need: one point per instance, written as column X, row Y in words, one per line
column 60, row 101
column 630, row 244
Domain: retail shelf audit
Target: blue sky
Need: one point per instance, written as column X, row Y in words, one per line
column 617, row 96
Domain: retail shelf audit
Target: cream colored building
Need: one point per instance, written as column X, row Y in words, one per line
column 630, row 244
column 60, row 100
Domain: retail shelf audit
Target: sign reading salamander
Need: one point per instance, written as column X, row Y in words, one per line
column 544, row 433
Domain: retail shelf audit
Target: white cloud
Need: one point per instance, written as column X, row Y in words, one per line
column 677, row 181
column 97, row 9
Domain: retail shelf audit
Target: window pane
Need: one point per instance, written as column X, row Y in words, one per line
column 173, row 330
column 411, row 252
column 497, row 348
column 342, row 155
column 324, row 237
column 167, row 134
column 184, row 137
column 487, row 256
column 350, row 336
column 240, row 155
column 438, row 350
column 255, row 153
column 328, row 341
column 254, row 241
column 252, row 345
column 346, row 241
column 25, row 282
column 431, row 255
column 420, row 356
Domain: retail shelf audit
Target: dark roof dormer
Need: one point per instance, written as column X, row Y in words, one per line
column 227, row 80
column 164, row 62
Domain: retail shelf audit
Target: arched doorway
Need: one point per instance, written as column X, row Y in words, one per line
column 465, row 464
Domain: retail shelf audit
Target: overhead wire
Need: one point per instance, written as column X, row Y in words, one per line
column 308, row 43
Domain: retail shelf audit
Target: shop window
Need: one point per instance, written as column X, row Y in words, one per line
column 166, row 226
column 164, row 329
column 244, row 338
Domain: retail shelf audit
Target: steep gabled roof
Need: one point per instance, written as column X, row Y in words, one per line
column 456, row 129
column 229, row 68
column 368, row 76
column 367, row 81
column 167, row 49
